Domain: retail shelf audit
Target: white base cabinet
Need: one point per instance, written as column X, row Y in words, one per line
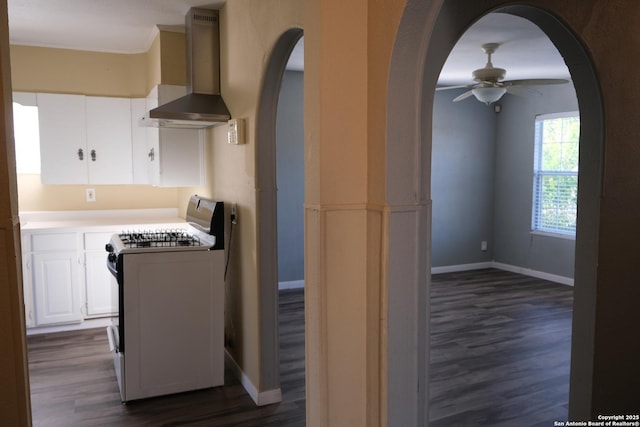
column 65, row 277
column 55, row 268
column 98, row 280
column 57, row 288
column 27, row 287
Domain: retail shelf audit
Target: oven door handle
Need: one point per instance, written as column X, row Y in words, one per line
column 112, row 268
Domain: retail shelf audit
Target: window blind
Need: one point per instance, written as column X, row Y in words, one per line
column 555, row 173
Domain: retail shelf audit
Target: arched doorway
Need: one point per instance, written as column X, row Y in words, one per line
column 266, row 183
column 482, row 190
column 417, row 59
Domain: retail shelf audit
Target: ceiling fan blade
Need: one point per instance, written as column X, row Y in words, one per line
column 488, row 83
column 453, row 87
column 465, row 95
column 522, row 91
column 534, row 82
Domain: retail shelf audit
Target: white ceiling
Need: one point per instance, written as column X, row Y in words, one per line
column 525, row 51
column 129, row 26
column 119, row 26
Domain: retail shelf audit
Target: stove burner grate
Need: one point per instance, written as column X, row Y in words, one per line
column 158, row 239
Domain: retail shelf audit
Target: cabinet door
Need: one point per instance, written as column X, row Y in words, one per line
column 63, row 150
column 175, row 156
column 98, row 280
column 139, row 141
column 56, row 287
column 27, row 290
column 181, row 157
column 109, row 140
column 153, row 142
column 27, row 284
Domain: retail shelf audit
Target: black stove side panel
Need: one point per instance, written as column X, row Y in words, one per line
column 119, row 318
column 217, row 225
column 207, row 215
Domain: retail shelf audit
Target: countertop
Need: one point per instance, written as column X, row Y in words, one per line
column 103, row 219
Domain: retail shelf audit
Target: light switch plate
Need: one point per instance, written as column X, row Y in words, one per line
column 235, row 133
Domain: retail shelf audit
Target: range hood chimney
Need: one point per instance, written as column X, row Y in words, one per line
column 203, row 106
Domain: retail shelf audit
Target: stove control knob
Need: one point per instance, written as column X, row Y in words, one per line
column 112, row 257
column 108, row 247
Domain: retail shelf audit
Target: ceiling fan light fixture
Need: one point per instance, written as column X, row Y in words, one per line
column 488, row 95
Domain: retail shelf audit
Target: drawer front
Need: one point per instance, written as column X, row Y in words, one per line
column 53, row 242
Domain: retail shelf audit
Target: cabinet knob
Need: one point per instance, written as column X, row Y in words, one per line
column 80, row 154
column 93, row 155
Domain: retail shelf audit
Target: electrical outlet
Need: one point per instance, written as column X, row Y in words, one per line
column 483, row 246
column 91, row 194
column 234, row 214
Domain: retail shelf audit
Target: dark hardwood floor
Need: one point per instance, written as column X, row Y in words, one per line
column 500, row 356
column 73, row 384
column 500, row 350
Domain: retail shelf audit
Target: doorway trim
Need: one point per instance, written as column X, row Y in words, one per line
column 426, row 34
column 267, row 220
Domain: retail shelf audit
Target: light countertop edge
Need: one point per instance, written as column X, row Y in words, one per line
column 101, row 219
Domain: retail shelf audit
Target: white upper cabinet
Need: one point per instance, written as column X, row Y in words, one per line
column 152, row 157
column 139, row 141
column 175, row 156
column 180, row 158
column 109, row 140
column 99, row 140
column 85, row 139
column 63, row 139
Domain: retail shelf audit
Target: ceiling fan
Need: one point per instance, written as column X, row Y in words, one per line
column 490, row 86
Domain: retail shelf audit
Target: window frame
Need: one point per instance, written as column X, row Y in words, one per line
column 26, row 133
column 538, row 171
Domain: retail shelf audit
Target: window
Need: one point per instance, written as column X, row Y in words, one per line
column 27, row 137
column 555, row 173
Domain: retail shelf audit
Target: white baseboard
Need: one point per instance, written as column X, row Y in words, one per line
column 534, row 273
column 506, row 267
column 293, row 284
column 87, row 324
column 260, row 398
column 461, row 267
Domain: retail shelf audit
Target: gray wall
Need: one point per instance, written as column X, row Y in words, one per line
column 462, row 180
column 514, row 243
column 482, row 171
column 481, row 184
column 290, row 176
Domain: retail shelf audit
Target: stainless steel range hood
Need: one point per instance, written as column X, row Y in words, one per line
column 203, row 106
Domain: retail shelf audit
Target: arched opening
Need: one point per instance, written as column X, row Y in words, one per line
column 267, row 208
column 500, row 304
column 411, row 89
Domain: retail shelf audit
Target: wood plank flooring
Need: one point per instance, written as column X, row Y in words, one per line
column 500, row 350
column 73, row 384
column 500, row 356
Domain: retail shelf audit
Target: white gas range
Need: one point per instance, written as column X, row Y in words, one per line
column 168, row 336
